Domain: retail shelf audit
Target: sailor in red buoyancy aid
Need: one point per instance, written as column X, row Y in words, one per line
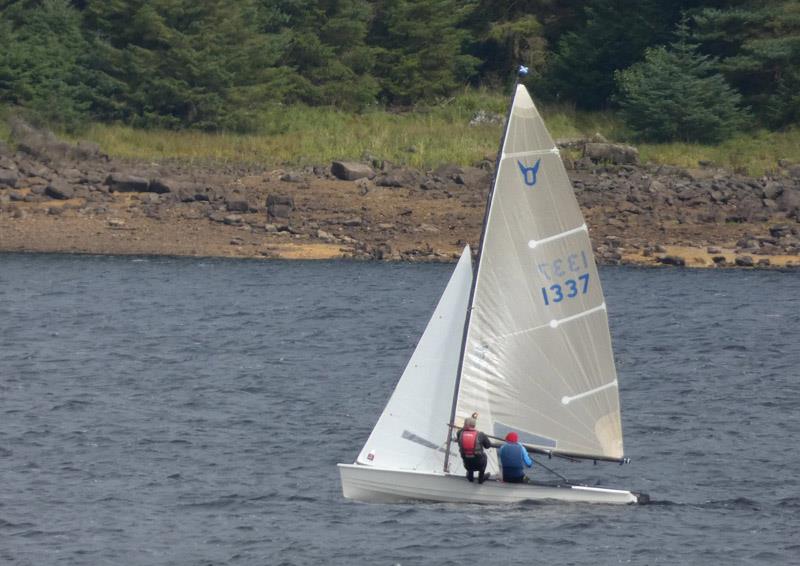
column 472, row 444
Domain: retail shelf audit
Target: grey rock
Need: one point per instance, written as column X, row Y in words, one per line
column 448, row 172
column 127, row 183
column 355, row 221
column 769, row 204
column 393, row 179
column 87, row 150
column 744, row 261
column 279, row 211
column 613, row 153
column 431, row 185
column 780, row 231
column 291, row 178
column 472, row 176
column 323, row 235
column 8, row 178
column 43, row 143
column 571, row 143
column 162, row 186
column 60, row 190
column 8, row 163
column 232, row 219
column 672, row 260
column 772, row 190
column 279, row 206
column 789, row 200
column 237, row 204
column 350, row 171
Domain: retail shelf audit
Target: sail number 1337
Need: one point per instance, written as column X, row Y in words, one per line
column 570, row 288
column 574, row 282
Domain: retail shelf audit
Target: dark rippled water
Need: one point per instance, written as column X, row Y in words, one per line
column 184, row 411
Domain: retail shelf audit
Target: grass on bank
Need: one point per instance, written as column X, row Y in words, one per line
column 424, row 138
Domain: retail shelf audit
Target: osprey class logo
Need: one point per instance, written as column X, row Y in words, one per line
column 529, row 173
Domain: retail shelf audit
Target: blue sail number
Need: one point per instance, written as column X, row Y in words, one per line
column 555, row 293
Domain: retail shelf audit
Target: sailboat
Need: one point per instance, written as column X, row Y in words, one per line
column 522, row 340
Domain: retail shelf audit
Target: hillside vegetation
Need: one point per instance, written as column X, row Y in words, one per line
column 305, row 81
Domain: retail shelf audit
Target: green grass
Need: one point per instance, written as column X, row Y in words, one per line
column 754, row 153
column 297, row 135
column 424, row 137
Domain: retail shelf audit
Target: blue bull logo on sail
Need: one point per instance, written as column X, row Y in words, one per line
column 529, row 173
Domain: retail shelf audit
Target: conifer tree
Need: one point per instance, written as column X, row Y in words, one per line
column 41, row 62
column 327, row 51
column 613, row 37
column 677, row 94
column 758, row 44
column 423, row 51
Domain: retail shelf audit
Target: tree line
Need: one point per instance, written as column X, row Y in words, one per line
column 684, row 69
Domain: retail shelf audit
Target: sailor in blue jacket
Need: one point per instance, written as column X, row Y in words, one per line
column 513, row 457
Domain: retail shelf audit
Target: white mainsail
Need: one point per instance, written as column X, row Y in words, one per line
column 410, row 433
column 538, row 357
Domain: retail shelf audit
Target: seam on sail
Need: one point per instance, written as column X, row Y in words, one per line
column 533, row 243
column 566, row 399
column 553, row 150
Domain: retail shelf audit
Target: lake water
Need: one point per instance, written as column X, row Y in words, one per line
column 189, row 411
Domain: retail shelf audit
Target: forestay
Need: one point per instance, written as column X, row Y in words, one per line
column 411, row 431
column 537, row 357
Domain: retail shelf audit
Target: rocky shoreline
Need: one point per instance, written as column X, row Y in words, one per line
column 61, row 198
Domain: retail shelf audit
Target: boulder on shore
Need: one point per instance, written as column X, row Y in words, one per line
column 127, row 183
column 350, row 171
column 612, row 153
column 279, row 206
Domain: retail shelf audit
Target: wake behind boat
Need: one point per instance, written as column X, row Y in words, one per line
column 523, row 341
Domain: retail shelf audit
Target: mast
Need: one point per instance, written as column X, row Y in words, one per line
column 521, row 72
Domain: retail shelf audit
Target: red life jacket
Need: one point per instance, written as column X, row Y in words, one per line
column 468, row 442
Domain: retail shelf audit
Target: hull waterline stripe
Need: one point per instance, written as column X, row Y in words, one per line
column 533, row 243
column 566, row 400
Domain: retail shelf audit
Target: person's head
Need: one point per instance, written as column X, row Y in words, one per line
column 512, row 437
column 469, row 423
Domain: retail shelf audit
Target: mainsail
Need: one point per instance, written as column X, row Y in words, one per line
column 409, row 434
column 537, row 357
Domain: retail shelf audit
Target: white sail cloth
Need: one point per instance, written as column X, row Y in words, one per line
column 538, row 357
column 412, row 430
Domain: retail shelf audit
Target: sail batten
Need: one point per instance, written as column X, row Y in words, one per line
column 553, row 150
column 537, row 332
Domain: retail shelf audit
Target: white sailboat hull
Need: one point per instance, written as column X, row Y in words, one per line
column 376, row 485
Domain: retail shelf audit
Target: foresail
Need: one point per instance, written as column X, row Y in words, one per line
column 411, row 431
column 538, row 356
